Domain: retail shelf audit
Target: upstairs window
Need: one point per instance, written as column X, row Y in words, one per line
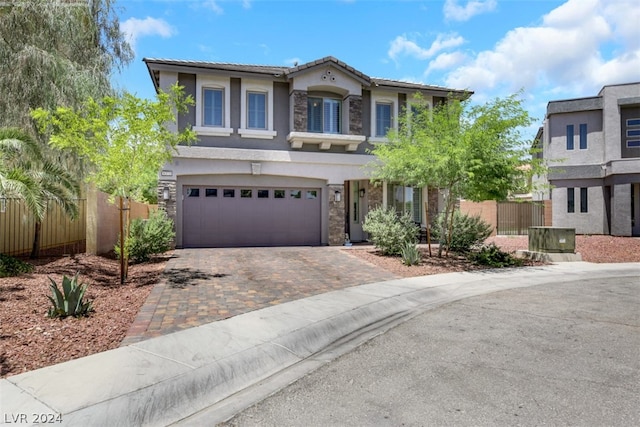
column 213, row 111
column 569, row 137
column 323, row 115
column 571, row 200
column 633, row 133
column 213, row 106
column 584, row 203
column 383, row 118
column 583, row 136
column 256, row 110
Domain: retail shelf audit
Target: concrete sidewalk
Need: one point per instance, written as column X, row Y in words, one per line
column 187, row 377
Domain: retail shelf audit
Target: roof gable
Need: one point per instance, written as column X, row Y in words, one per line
column 329, row 60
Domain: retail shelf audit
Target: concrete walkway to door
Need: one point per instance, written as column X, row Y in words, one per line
column 206, row 285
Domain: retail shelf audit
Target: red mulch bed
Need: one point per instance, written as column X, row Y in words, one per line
column 30, row 340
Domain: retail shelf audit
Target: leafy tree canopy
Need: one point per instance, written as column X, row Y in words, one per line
column 476, row 152
column 124, row 139
column 56, row 52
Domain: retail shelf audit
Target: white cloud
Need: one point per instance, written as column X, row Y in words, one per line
column 214, row 6
column 401, row 45
column 446, row 61
column 453, row 11
column 134, row 28
column 246, row 4
column 567, row 50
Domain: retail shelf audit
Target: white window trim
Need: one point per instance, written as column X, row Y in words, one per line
column 212, row 82
column 256, row 86
column 384, row 98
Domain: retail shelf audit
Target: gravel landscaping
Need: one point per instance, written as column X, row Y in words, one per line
column 30, row 340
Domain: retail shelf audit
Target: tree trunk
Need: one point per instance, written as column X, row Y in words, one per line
column 127, row 225
column 122, row 248
column 426, row 211
column 35, row 248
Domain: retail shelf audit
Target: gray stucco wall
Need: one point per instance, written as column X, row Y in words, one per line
column 591, row 222
column 628, row 112
column 188, row 81
column 621, row 210
column 557, row 142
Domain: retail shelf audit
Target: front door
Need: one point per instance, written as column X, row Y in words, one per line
column 357, row 209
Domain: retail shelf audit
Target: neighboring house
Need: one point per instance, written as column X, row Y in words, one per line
column 592, row 148
column 281, row 152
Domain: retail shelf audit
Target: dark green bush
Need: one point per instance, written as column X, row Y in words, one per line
column 492, row 256
column 68, row 301
column 148, row 237
column 388, row 231
column 468, row 231
column 10, row 266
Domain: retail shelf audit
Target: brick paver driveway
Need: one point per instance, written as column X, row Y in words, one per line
column 205, row 285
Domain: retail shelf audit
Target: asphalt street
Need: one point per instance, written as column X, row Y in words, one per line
column 563, row 353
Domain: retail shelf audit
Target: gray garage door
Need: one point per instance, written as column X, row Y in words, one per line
column 250, row 216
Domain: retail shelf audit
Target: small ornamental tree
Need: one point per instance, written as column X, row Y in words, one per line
column 472, row 152
column 124, row 139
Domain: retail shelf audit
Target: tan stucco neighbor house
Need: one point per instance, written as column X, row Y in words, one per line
column 281, row 152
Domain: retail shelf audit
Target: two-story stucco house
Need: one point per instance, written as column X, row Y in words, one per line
column 592, row 146
column 281, row 152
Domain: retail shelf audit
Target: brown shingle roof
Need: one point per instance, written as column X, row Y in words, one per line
column 289, row 72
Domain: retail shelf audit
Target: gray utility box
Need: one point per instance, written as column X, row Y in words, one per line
column 552, row 240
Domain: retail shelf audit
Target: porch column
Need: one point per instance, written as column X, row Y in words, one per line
column 168, row 205
column 336, row 214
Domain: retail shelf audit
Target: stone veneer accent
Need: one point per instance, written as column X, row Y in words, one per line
column 433, row 204
column 169, row 206
column 336, row 215
column 374, row 197
column 299, row 110
column 355, row 114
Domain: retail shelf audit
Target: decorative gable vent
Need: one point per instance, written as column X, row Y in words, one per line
column 328, row 75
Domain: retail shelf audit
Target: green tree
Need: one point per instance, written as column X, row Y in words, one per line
column 124, row 139
column 56, row 53
column 27, row 174
column 473, row 152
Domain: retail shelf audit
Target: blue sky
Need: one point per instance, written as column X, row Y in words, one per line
column 551, row 49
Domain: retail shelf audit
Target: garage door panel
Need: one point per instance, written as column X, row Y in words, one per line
column 264, row 217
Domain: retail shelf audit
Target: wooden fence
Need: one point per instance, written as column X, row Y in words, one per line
column 95, row 230
column 515, row 218
column 510, row 218
column 59, row 234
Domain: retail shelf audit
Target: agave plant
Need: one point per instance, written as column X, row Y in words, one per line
column 410, row 254
column 69, row 301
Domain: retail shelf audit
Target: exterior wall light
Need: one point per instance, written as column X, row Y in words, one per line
column 165, row 193
column 337, row 196
column 362, row 192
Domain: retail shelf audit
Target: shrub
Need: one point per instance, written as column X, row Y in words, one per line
column 492, row 256
column 10, row 266
column 468, row 231
column 148, row 237
column 388, row 231
column 410, row 254
column 70, row 300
